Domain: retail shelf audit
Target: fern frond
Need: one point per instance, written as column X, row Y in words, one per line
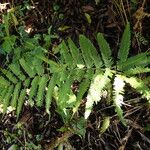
column 86, row 52
column 125, row 44
column 27, row 68
column 76, row 55
column 65, row 52
column 33, row 89
column 6, row 99
column 137, row 70
column 49, row 93
column 20, row 102
column 139, row 86
column 118, row 91
column 2, row 94
column 95, row 92
column 65, row 88
column 9, row 75
column 15, row 68
column 105, row 50
column 41, row 90
column 91, row 50
column 83, row 87
column 15, row 95
column 27, row 82
column 57, row 67
column 4, row 82
column 37, row 63
column 139, row 60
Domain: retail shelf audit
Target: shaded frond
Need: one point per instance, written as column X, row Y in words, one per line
column 41, row 90
column 9, row 75
column 65, row 52
column 87, row 45
column 86, row 52
column 15, row 95
column 20, row 102
column 49, row 92
column 137, row 70
column 27, row 68
column 76, row 55
column 105, row 50
column 139, row 60
column 125, row 44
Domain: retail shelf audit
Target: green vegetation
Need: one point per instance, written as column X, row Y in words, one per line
column 33, row 76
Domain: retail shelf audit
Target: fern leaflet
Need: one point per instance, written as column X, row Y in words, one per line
column 105, row 50
column 125, row 44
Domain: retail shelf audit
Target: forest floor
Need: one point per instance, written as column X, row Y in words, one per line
column 69, row 19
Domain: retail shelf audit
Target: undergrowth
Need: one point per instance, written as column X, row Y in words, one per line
column 32, row 78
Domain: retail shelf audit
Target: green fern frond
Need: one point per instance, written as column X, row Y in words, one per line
column 27, row 68
column 105, row 50
column 139, row 60
column 137, row 70
column 4, row 82
column 33, row 89
column 76, row 55
column 37, row 63
column 86, row 52
column 6, row 100
column 41, row 90
column 118, row 91
column 125, row 44
column 91, row 50
column 83, row 87
column 65, row 52
column 57, row 67
column 65, row 88
column 26, row 83
column 49, row 93
column 9, row 75
column 20, row 102
column 15, row 95
column 2, row 94
column 15, row 68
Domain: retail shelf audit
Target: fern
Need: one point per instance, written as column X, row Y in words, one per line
column 105, row 50
column 139, row 86
column 137, row 70
column 118, row 96
column 20, row 102
column 6, row 99
column 125, row 45
column 86, row 44
column 140, row 60
column 76, row 55
column 27, row 68
column 38, row 80
column 33, row 89
column 96, row 90
column 49, row 93
column 15, row 95
column 15, row 68
column 41, row 89
column 86, row 53
column 9, row 75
